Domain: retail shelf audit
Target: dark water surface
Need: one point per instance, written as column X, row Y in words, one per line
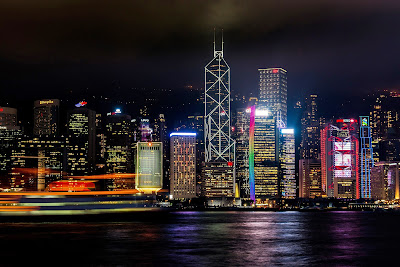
column 209, row 239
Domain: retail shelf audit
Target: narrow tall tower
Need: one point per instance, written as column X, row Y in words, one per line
column 367, row 159
column 219, row 146
column 218, row 173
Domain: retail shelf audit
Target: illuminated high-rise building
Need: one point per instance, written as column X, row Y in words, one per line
column 340, row 159
column 81, row 126
column 9, row 133
column 196, row 123
column 37, row 162
column 310, row 130
column 385, row 183
column 219, row 145
column 287, row 163
column 310, row 184
column 264, row 154
column 9, row 136
column 100, row 147
column 46, row 117
column 367, row 159
column 385, row 113
column 273, row 93
column 183, row 165
column 8, row 116
column 118, row 148
column 145, row 130
column 160, row 135
column 242, row 131
column 149, row 169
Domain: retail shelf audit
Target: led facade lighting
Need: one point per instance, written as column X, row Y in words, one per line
column 251, row 154
column 262, row 113
column 287, row 131
column 182, row 134
column 367, row 159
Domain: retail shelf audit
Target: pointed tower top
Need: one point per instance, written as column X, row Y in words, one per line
column 221, row 51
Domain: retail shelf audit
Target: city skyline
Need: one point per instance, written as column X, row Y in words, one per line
column 199, row 133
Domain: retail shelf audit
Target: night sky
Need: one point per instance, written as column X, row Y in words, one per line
column 332, row 48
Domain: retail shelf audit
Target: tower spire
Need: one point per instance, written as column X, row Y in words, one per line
column 222, row 41
column 214, row 42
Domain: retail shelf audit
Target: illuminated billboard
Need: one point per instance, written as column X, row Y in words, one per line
column 342, row 173
column 81, row 104
column 343, row 160
column 342, row 146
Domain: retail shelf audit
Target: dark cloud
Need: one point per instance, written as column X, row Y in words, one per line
column 327, row 46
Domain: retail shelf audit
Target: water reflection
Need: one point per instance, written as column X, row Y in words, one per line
column 211, row 238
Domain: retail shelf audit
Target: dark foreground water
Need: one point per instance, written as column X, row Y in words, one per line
column 209, row 239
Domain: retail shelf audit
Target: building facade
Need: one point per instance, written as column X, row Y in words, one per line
column 36, row 162
column 81, row 129
column 242, row 131
column 273, row 92
column 183, row 165
column 46, row 117
column 310, row 130
column 385, row 181
column 149, row 169
column 264, row 153
column 8, row 116
column 310, row 182
column 287, row 163
column 340, row 159
column 219, row 144
column 118, row 140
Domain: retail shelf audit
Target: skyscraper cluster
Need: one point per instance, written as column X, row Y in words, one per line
column 91, row 144
column 247, row 155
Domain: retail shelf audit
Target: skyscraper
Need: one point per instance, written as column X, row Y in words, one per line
column 219, row 145
column 242, row 130
column 9, row 133
column 385, row 181
column 310, row 130
column 183, row 165
column 340, row 161
column 8, row 116
column 45, row 156
column 310, row 185
column 149, row 170
column 287, row 163
column 46, row 117
column 273, row 93
column 265, row 155
column 81, row 141
column 367, row 159
column 118, row 148
column 385, row 114
column 160, row 135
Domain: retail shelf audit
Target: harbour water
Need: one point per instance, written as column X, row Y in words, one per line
column 208, row 239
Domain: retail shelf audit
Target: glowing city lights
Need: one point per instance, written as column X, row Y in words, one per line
column 182, row 134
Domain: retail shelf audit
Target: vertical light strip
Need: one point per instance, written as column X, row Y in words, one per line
column 251, row 153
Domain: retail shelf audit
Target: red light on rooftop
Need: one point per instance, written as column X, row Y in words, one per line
column 275, row 71
column 1, row 110
column 230, row 163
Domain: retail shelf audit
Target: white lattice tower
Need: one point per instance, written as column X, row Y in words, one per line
column 219, row 146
